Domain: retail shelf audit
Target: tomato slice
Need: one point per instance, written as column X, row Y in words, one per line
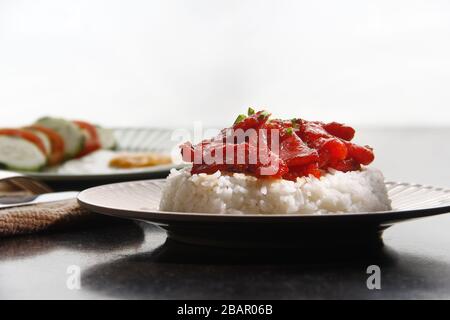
column 340, row 130
column 345, row 165
column 303, row 171
column 29, row 136
column 254, row 121
column 311, row 131
column 296, row 153
column 93, row 142
column 57, row 142
column 363, row 155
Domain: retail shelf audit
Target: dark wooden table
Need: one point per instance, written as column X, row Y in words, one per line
column 128, row 260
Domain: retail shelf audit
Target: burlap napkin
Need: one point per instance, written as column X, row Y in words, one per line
column 41, row 217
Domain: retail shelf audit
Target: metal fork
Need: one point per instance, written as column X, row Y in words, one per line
column 24, row 182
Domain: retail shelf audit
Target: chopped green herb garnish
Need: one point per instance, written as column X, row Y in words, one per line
column 295, row 123
column 263, row 114
column 251, row 111
column 240, row 118
column 289, row 131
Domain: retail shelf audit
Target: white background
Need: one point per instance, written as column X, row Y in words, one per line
column 171, row 62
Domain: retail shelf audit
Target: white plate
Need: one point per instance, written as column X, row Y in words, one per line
column 139, row 200
column 130, row 140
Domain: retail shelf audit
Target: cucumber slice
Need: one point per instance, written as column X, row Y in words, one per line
column 20, row 154
column 107, row 139
column 72, row 135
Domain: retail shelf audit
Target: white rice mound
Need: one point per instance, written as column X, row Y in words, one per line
column 335, row 192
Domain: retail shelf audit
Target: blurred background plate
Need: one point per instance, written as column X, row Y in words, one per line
column 157, row 140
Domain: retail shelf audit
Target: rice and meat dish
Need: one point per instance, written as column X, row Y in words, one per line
column 273, row 166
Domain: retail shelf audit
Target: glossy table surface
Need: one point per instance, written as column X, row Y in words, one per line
column 127, row 260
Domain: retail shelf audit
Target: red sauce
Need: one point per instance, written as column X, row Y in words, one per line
column 303, row 148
